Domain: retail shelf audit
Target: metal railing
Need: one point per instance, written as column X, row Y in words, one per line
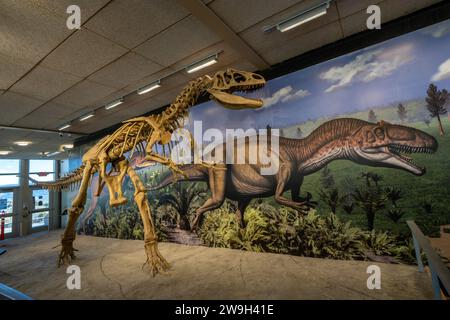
column 440, row 274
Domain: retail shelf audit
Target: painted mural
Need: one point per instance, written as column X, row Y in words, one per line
column 388, row 102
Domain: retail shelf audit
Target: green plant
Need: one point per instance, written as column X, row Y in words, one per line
column 182, row 197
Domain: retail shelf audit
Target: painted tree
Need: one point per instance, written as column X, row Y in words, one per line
column 401, row 112
column 372, row 117
column 183, row 198
column 436, row 101
column 371, row 198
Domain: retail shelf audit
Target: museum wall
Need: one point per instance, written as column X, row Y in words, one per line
column 397, row 82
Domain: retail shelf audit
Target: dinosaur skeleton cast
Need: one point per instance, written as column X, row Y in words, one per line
column 143, row 134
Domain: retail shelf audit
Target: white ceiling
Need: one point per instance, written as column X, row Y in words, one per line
column 50, row 75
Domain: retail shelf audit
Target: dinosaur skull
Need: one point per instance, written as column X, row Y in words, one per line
column 384, row 144
column 225, row 83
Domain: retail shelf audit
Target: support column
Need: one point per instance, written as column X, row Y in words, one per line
column 25, row 199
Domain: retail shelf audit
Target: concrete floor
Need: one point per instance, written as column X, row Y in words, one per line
column 111, row 269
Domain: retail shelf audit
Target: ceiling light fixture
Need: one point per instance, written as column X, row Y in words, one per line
column 67, row 125
column 114, row 104
column 23, row 143
column 150, row 87
column 301, row 17
column 87, row 116
column 52, row 154
column 4, row 152
column 67, row 146
column 203, row 63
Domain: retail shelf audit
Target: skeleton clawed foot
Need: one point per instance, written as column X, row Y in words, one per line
column 155, row 261
column 67, row 253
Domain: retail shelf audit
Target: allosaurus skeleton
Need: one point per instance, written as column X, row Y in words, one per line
column 143, row 134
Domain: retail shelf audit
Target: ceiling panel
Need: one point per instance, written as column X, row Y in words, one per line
column 240, row 15
column 29, row 32
column 45, row 83
column 131, row 22
column 59, row 7
column 127, row 69
column 12, row 69
column 349, row 7
column 14, row 106
column 390, row 9
column 29, row 121
column 180, row 40
column 85, row 93
column 305, row 42
column 83, row 53
column 55, row 111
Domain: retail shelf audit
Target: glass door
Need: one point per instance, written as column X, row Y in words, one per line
column 41, row 205
column 6, row 212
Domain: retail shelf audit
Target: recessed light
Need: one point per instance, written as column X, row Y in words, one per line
column 203, row 63
column 114, row 104
column 64, row 126
column 87, row 116
column 23, row 143
column 4, row 152
column 150, row 87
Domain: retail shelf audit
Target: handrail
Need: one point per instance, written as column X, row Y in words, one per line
column 9, row 293
column 440, row 274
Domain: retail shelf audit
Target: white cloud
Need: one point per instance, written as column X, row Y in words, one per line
column 368, row 66
column 443, row 71
column 296, row 95
column 439, row 30
column 285, row 94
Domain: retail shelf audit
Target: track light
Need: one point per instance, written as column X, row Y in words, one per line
column 114, row 104
column 203, row 63
column 150, row 87
column 68, row 125
column 301, row 18
column 87, row 116
column 52, row 154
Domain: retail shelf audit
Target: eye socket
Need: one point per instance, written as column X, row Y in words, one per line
column 379, row 132
column 239, row 78
column 227, row 78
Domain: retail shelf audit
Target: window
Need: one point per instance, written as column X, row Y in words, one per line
column 42, row 170
column 9, row 172
column 6, row 209
column 41, row 202
column 39, row 219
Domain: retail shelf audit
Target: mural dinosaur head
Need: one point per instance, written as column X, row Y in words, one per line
column 386, row 145
column 226, row 83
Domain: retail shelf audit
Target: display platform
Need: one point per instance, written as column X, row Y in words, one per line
column 111, row 269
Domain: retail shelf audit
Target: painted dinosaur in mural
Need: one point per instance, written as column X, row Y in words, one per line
column 143, row 134
column 378, row 145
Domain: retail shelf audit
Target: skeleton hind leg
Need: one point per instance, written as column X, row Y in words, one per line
column 67, row 251
column 155, row 261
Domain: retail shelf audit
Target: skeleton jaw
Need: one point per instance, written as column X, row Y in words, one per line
column 232, row 101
